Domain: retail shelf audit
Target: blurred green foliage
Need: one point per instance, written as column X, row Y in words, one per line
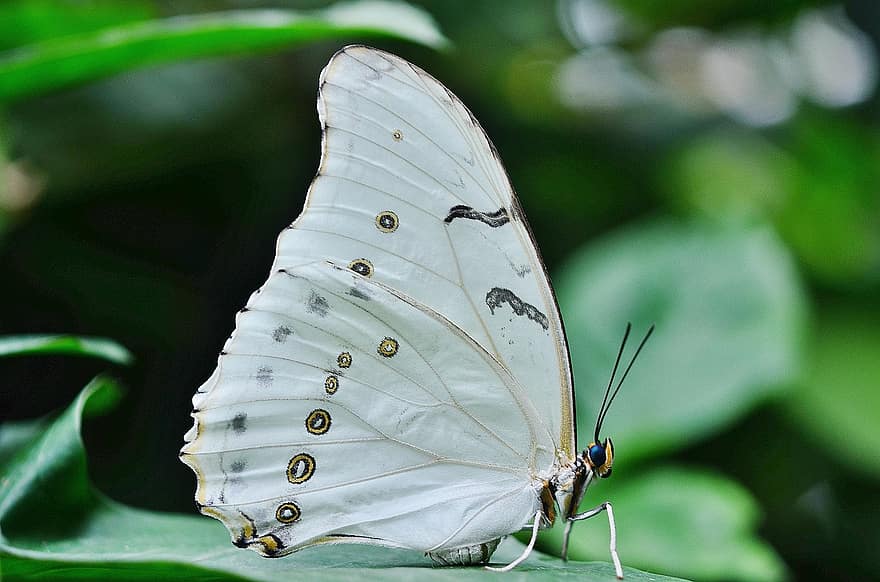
column 142, row 186
column 843, row 356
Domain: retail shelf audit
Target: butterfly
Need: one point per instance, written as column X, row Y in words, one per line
column 402, row 378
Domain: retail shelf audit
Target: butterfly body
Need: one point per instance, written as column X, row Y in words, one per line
column 465, row 555
column 402, row 377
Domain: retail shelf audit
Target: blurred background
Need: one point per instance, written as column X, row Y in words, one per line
column 709, row 165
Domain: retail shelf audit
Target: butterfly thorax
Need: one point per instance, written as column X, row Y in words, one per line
column 567, row 487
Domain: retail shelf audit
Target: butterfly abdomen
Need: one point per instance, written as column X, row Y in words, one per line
column 464, row 555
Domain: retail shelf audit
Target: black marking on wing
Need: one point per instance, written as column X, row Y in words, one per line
column 496, row 296
column 241, row 540
column 493, row 219
column 269, row 551
column 272, row 545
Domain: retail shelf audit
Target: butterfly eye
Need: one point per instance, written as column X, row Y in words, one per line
column 596, row 453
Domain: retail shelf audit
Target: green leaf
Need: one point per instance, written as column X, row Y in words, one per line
column 15, row 434
column 96, row 347
column 686, row 521
column 729, row 311
column 56, row 526
column 838, row 401
column 53, row 64
column 51, row 465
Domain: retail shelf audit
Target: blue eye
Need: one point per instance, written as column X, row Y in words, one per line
column 597, row 455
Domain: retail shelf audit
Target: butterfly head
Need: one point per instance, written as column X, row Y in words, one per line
column 600, row 457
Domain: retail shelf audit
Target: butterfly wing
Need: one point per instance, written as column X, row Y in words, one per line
column 411, row 192
column 416, row 393
column 342, row 409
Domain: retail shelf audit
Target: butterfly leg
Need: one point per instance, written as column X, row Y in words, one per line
column 565, row 535
column 526, row 552
column 606, row 507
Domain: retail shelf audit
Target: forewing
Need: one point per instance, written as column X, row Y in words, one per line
column 411, row 193
column 342, row 408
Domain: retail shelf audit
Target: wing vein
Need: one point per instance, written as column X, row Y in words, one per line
column 399, row 157
column 423, row 88
column 379, row 190
column 368, row 478
column 438, row 376
column 348, row 378
column 341, row 340
column 476, row 514
column 427, row 138
column 286, row 445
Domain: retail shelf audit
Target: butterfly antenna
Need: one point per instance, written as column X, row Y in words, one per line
column 622, row 378
column 610, row 383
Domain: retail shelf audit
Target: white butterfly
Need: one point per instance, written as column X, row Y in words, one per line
column 402, row 378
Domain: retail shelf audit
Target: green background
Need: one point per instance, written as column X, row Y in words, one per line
column 695, row 164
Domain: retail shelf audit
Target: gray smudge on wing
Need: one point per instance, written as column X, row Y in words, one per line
column 280, row 333
column 239, row 423
column 317, row 304
column 265, row 376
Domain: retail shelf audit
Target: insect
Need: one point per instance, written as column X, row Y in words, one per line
column 402, row 378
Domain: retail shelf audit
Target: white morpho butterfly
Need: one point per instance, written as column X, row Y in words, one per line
column 402, row 378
